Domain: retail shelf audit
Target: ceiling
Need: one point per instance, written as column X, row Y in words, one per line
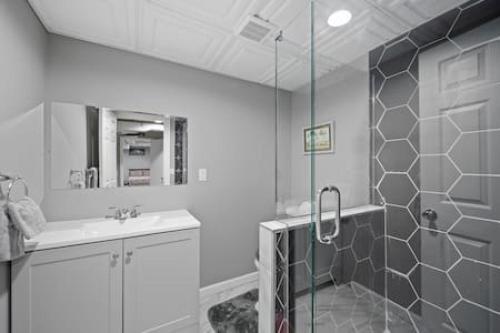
column 205, row 33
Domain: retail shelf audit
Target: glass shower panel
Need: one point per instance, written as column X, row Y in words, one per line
column 293, row 201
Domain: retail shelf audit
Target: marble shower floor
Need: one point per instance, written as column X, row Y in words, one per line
column 349, row 308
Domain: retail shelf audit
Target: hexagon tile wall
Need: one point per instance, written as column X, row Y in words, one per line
column 435, row 121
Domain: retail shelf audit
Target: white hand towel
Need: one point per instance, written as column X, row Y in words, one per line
column 27, row 217
column 11, row 239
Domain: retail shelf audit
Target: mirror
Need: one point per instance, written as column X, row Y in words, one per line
column 101, row 147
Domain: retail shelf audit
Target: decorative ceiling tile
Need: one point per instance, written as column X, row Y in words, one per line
column 203, row 30
column 110, row 22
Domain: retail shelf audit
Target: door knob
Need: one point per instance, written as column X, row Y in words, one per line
column 430, row 214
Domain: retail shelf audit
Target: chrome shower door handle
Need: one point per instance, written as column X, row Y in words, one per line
column 327, row 239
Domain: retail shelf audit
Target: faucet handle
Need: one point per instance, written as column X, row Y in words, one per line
column 134, row 212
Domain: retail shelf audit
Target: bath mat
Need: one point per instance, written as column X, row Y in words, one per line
column 237, row 315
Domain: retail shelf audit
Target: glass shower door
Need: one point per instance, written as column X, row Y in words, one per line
column 337, row 283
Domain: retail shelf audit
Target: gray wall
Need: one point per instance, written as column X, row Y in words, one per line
column 231, row 133
column 341, row 97
column 21, row 89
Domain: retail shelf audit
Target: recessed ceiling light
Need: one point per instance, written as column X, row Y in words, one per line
column 159, row 121
column 339, row 18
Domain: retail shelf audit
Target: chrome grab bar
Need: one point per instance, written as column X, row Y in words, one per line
column 327, row 239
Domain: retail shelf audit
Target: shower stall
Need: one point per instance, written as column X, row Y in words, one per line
column 387, row 172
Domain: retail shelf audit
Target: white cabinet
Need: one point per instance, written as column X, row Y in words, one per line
column 135, row 285
column 161, row 282
column 75, row 289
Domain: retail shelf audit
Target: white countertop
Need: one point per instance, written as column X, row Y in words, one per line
column 67, row 233
column 297, row 222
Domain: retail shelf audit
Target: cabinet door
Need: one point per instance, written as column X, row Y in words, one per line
column 161, row 282
column 74, row 289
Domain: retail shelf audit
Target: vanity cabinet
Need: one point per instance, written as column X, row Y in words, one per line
column 161, row 283
column 134, row 285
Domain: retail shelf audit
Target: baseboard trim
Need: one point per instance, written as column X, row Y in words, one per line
column 223, row 286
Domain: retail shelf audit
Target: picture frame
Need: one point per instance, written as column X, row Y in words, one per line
column 324, row 138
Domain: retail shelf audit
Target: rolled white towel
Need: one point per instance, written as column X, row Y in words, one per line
column 27, row 217
column 11, row 239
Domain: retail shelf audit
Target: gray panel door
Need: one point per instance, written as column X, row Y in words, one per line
column 161, row 282
column 460, row 164
column 75, row 289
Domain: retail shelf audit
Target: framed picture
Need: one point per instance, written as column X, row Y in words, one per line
column 323, row 135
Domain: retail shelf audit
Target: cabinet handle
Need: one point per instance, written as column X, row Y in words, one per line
column 115, row 256
column 130, row 253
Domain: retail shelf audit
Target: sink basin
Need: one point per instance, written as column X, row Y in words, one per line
column 66, row 233
column 129, row 225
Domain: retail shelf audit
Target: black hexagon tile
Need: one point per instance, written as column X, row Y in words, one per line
column 397, row 189
column 362, row 243
column 400, row 223
column 472, row 318
column 377, row 255
column 437, row 135
column 397, row 123
column 477, row 203
column 397, row 90
column 435, row 287
column 477, row 153
column 436, row 249
column 399, row 290
column 397, row 57
column 437, row 173
column 435, row 29
column 399, row 256
column 470, row 234
column 446, row 213
column 397, row 156
column 478, row 283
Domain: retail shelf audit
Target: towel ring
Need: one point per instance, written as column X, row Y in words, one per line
column 13, row 182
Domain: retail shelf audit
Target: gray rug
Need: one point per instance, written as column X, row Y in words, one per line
column 237, row 315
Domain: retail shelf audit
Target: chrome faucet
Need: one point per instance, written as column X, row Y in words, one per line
column 134, row 212
column 121, row 214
